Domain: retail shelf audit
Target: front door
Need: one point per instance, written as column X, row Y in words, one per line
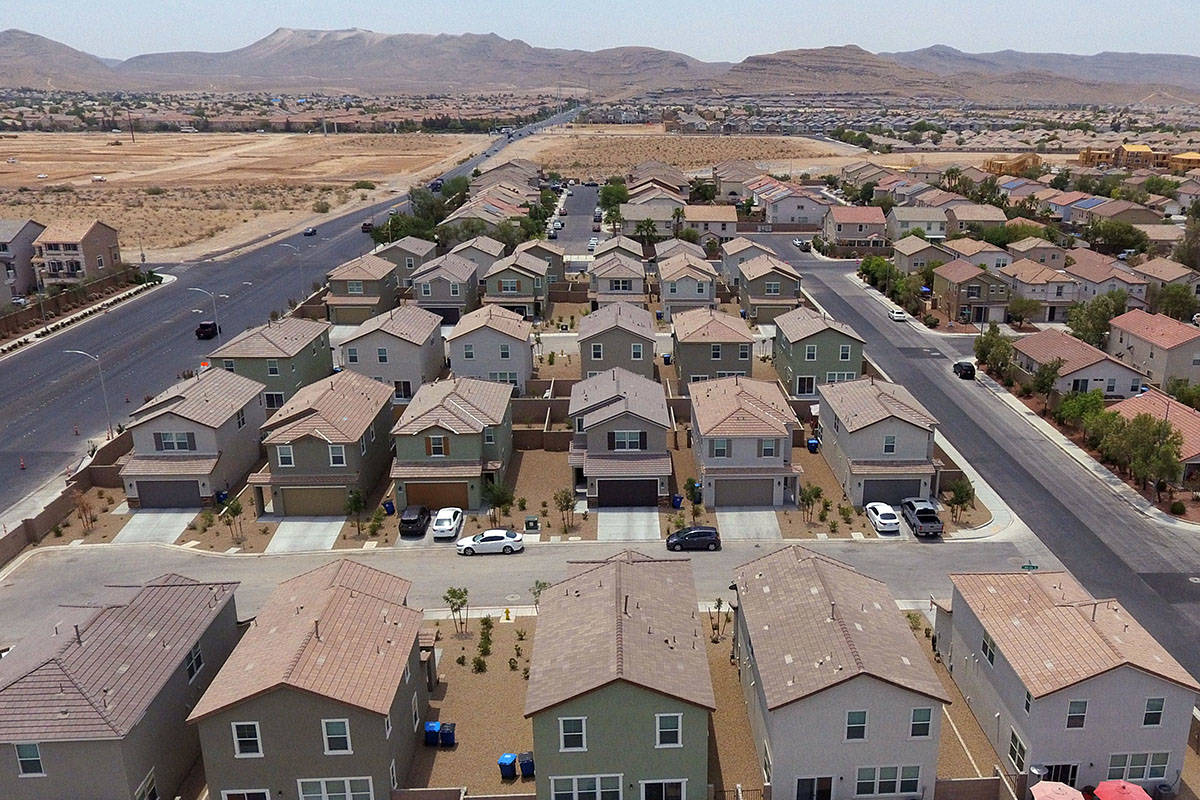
column 980, row 313
column 662, row 790
column 814, row 788
column 1051, row 313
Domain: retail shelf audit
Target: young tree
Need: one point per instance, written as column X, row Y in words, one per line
column 564, row 501
column 1023, row 308
column 676, row 221
column 810, row 495
column 1000, row 357
column 614, row 220
column 1187, row 252
column 498, row 496
column 646, row 231
column 535, row 591
column 455, row 599
column 1175, row 300
column 918, row 232
column 702, row 191
column 962, row 494
column 1078, row 406
column 231, row 516
column 1089, row 321
column 354, row 506
column 612, row 195
column 985, row 341
column 689, row 235
column 1154, row 447
column 1044, row 379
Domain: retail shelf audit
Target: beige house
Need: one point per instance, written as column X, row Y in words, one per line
column 446, row 286
column 961, row 217
column 1082, row 368
column 1053, row 288
column 482, row 251
column 713, row 223
column 519, row 283
column 492, row 343
column 547, row 252
column 360, row 289
column 912, row 254
column 1160, row 272
column 1098, row 274
column 402, row 348
column 73, row 252
column 282, row 355
column 409, row 253
column 619, row 334
column 672, row 247
column 686, row 281
column 738, row 251
column 709, row 344
column 855, row 226
column 621, row 245
column 767, row 287
column 1039, row 250
column 967, row 293
column 903, row 220
column 982, row 254
column 1157, row 345
column 615, row 277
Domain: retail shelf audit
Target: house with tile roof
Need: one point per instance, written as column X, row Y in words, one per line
column 710, row 344
column 1084, row 368
column 854, row 226
column 409, row 253
column 455, row 436
column 1160, row 272
column 842, row 701
column 283, row 355
column 982, row 254
column 671, row 247
column 361, row 288
column 447, row 286
column 66, row 253
column 767, row 287
column 964, row 217
column 1065, row 680
column 1182, row 417
column 518, row 283
column 16, row 255
column 197, row 438
column 619, row 692
column 616, row 277
column 811, row 348
column 1053, row 288
column 1039, row 250
column 912, row 254
column 738, row 251
column 686, row 281
column 878, row 440
column 492, row 343
column 328, row 440
column 1118, row 211
column 482, row 251
column 903, row 220
column 621, row 245
column 1163, row 348
column 742, row 440
column 94, row 693
column 1163, row 238
column 970, row 294
column 619, row 334
column 401, row 347
column 549, row 253
column 324, row 694
column 1100, row 274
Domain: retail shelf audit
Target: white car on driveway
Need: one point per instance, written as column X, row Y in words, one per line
column 497, row 540
column 447, row 524
column 883, row 518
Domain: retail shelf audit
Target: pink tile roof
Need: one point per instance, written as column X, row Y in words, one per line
column 1158, row 329
column 957, row 271
column 336, row 409
column 707, row 325
column 1183, row 418
column 857, row 215
column 740, row 406
column 1045, row 346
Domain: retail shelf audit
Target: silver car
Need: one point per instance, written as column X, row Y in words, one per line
column 497, row 540
column 447, row 523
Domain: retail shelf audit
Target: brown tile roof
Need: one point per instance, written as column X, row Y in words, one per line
column 632, row 465
column 617, row 265
column 759, row 266
column 435, row 468
column 616, row 391
column 1183, row 418
column 670, row 247
column 975, row 212
column 341, row 631
column 485, row 244
column 100, row 685
column 686, row 264
column 337, row 409
column 1054, row 634
column 460, row 405
column 1027, row 244
column 450, row 267
column 282, row 339
column 1158, row 329
column 740, row 407
column 915, row 244
column 617, row 315
column 857, row 215
column 522, row 261
column 970, row 247
column 631, row 618
column 498, row 318
column 408, row 322
column 69, row 230
column 1045, row 346
column 618, row 243
column 740, row 243
column 957, row 271
column 693, row 213
column 540, row 244
column 1030, row 272
column 862, row 403
column 150, row 465
column 413, row 245
column 363, row 268
column 802, row 322
column 1164, row 269
column 209, row 399
column 707, row 325
column 815, row 623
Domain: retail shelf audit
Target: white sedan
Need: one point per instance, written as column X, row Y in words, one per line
column 447, row 523
column 897, row 314
column 496, row 540
column 883, row 518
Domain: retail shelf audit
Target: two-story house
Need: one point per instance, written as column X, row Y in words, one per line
column 712, row 223
column 966, row 216
column 1099, row 274
column 455, row 436
column 409, row 253
column 1065, row 680
column 708, row 344
column 328, row 440
column 65, row 253
column 686, row 281
column 842, row 702
column 492, row 343
column 548, row 253
column 324, row 695
column 672, row 247
column 621, row 245
column 1053, row 288
column 1162, row 272
column 980, row 253
column 519, row 283
column 283, row 355
column 94, row 692
column 912, row 254
column 742, row 439
column 1082, row 367
column 812, row 348
column 402, row 348
column 1163, row 348
column 877, row 439
column 619, row 452
column 615, row 277
column 967, row 293
column 617, row 335
column 618, row 695
column 446, row 286
column 16, row 255
column 1039, row 250
column 482, row 251
column 737, row 251
column 767, row 287
column 361, row 288
column 854, row 226
column 901, row 221
column 197, row 438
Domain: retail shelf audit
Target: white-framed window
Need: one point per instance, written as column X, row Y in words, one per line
column 387, row 725
column 193, row 662
column 635, row 351
column 597, row 351
column 426, row 290
column 272, row 367
column 889, row 445
column 772, row 288
column 1110, row 386
column 381, row 355
column 921, row 723
column 1153, row 714
column 572, row 734
column 620, row 285
column 627, row 440
column 354, row 287
column 240, row 418
column 29, row 760
column 147, row 790
column 408, row 262
column 701, row 288
column 768, row 448
column 505, row 351
column 351, row 355
column 247, row 740
column 336, row 789
column 715, row 352
column 1135, row 385
column 508, row 285
column 856, row 726
column 664, row 790
column 416, row 714
column 504, row 377
column 887, row 780
column 672, row 287
column 1137, row 766
column 99, row 262
column 1028, row 701
column 392, row 775
column 174, row 441
column 810, row 352
column 468, row 352
column 537, row 283
column 720, row 448
column 838, row 377
column 988, row 648
column 586, row 787
column 844, row 353
column 743, row 352
column 284, row 455
column 1016, row 750
column 668, row 730
column 1076, row 713
column 337, row 455
column 437, row 445
column 337, row 736
column 227, row 364
column 806, row 385
column 455, row 290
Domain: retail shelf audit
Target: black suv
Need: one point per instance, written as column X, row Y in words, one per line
column 699, row 537
column 207, row 330
column 964, row 370
column 414, row 520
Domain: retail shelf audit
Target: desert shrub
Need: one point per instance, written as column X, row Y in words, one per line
column 461, row 661
column 362, row 185
column 512, row 664
column 155, row 190
column 1178, row 508
column 478, row 664
column 321, row 207
column 931, row 321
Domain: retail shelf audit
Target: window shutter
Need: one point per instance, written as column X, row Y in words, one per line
column 191, row 437
column 158, row 441
column 760, row 448
column 428, row 446
column 711, row 448
column 642, row 440
column 446, row 446
column 612, row 440
column 518, row 284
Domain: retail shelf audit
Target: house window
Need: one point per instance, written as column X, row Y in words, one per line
column 1028, row 701
column 1076, row 713
column 387, row 722
column 99, row 262
column 668, row 730
column 572, row 734
column 627, row 440
column 1058, row 291
column 193, row 662
column 240, row 417
column 838, row 377
column 811, row 788
column 988, row 648
column 887, row 780
column 716, row 352
column 393, row 776
column 583, row 787
column 620, row 285
column 247, row 740
column 856, row 725
column 504, row 377
column 505, row 351
column 283, row 454
column 806, row 385
column 426, row 290
column 635, row 351
column 767, row 448
column 354, row 287
column 337, row 736
column 508, row 286
column 176, row 441
column 889, row 445
column 844, row 353
column 579, row 424
column 437, row 445
column 720, row 448
column 537, row 283
column 362, row 444
column 336, row 789
column 597, row 352
column 662, row 790
column 1110, row 386
column 1154, row 712
column 1016, row 750
column 416, row 715
column 1135, row 385
column 921, row 723
column 408, row 263
column 701, row 288
column 672, row 287
column 1079, row 385
column 227, row 364
column 489, row 436
column 147, row 790
column 772, row 288
column 468, row 352
column 810, row 352
column 743, row 352
column 402, row 391
column 381, row 355
column 337, row 455
column 272, row 367
column 1137, row 766
column 454, row 290
column 351, row 355
column 973, row 291
column 29, row 760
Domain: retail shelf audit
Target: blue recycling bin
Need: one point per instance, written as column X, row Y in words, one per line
column 743, row 313
column 814, row 445
column 389, row 507
column 676, row 501
column 526, row 762
column 508, row 766
column 222, row 497
column 666, row 358
column 658, row 315
column 447, row 734
column 432, row 731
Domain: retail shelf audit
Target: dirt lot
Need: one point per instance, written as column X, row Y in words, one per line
column 246, row 533
column 536, row 475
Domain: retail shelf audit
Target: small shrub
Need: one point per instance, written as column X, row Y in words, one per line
column 155, row 190
column 833, row 526
column 512, row 664
column 487, row 623
column 362, row 185
column 1026, row 390
column 550, row 358
column 478, row 664
column 485, row 648
column 520, row 634
column 545, row 504
column 521, row 503
column 1008, row 381
column 321, row 207
column 585, row 516
column 1178, row 508
column 931, row 321
column 517, row 650
column 847, row 513
column 58, row 529
column 461, row 661
column 823, row 516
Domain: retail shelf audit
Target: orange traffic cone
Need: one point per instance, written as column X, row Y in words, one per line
column 22, row 462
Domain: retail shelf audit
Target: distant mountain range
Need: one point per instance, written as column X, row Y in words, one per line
column 361, row 61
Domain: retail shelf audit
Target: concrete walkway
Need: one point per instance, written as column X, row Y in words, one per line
column 748, row 522
column 305, row 534
column 163, row 525
column 627, row 524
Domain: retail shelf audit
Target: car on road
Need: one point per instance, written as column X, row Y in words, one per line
column 697, row 537
column 552, row 233
column 393, row 211
column 207, row 330
column 883, row 518
column 497, row 540
column 897, row 314
column 921, row 516
column 367, row 226
column 804, row 245
column 592, row 242
column 42, row 176
column 310, row 231
column 965, row 370
column 414, row 520
column 595, row 227
column 558, row 224
column 447, row 523
column 570, row 193
column 591, row 183
column 562, row 212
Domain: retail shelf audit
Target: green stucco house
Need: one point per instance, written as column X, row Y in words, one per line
column 812, row 348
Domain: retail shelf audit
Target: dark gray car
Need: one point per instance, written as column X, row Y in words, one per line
column 698, row 537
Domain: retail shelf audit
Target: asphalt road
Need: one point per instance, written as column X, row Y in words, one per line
column 146, row 343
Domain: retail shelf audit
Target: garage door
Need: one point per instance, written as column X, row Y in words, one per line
column 627, row 493
column 316, row 501
column 745, row 492
column 436, row 495
column 448, row 315
column 169, row 494
column 890, row 491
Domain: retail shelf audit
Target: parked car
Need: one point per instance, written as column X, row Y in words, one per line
column 20, row 301
column 965, row 370
column 42, row 176
column 447, row 523
column 591, row 183
column 496, row 540
column 310, row 231
column 592, row 242
column 562, row 212
column 552, row 234
column 897, row 314
column 921, row 516
column 207, row 330
column 414, row 520
column 797, row 242
column 368, row 226
column 697, row 537
column 558, row 224
column 882, row 518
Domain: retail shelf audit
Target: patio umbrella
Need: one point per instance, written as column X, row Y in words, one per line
column 1120, row 790
column 1053, row 790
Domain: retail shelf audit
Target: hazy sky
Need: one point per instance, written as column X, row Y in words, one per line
column 711, row 30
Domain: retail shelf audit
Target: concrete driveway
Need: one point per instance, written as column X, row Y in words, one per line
column 301, row 534
column 622, row 524
column 748, row 522
column 163, row 525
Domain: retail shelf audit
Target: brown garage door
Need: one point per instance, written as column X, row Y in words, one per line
column 627, row 493
column 169, row 494
column 745, row 492
column 315, row 501
column 436, row 495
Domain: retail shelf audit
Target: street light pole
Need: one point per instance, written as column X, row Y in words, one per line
column 216, row 321
column 103, row 391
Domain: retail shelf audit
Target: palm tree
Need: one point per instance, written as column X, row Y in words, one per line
column 614, row 220
column 646, row 231
column 676, row 221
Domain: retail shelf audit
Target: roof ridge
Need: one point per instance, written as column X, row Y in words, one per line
column 619, row 633
column 100, row 712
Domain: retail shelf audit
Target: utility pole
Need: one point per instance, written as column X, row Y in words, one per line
column 129, row 118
